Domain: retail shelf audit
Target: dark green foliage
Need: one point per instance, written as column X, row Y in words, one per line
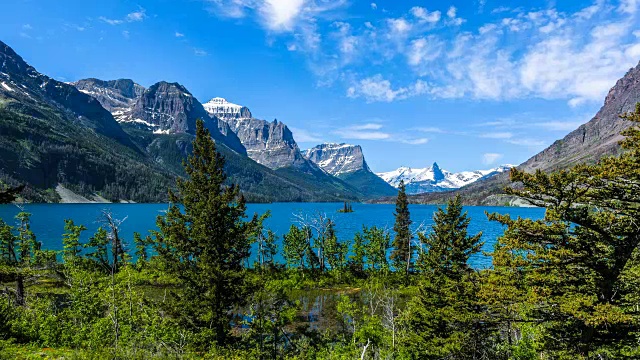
column 445, row 318
column 402, row 254
column 205, row 246
column 447, row 247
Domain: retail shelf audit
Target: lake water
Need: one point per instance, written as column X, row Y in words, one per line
column 47, row 220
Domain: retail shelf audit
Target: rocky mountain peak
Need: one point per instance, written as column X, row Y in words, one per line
column 224, row 109
column 438, row 175
column 597, row 138
column 337, row 159
column 117, row 96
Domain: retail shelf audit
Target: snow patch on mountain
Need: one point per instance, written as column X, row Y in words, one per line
column 435, row 179
column 222, row 108
column 337, row 159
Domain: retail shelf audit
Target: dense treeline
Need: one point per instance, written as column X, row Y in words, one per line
column 564, row 287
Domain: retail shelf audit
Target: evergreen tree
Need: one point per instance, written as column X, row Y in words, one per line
column 295, row 247
column 577, row 266
column 445, row 319
column 448, row 247
column 335, row 251
column 205, row 246
column 71, row 241
column 403, row 251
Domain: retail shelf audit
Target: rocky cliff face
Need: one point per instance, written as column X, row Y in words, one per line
column 117, row 96
column 163, row 108
column 338, row 159
column 598, row 137
column 169, row 108
column 21, row 82
column 268, row 143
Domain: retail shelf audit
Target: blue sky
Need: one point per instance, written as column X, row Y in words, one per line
column 467, row 83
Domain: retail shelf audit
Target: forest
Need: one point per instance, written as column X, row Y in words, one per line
column 564, row 287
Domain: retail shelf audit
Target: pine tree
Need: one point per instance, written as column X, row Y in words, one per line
column 403, row 251
column 444, row 319
column 206, row 245
column 448, row 246
column 71, row 241
column 577, row 267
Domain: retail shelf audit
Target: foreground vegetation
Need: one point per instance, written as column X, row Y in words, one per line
column 564, row 287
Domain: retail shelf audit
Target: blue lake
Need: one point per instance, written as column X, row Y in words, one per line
column 47, row 220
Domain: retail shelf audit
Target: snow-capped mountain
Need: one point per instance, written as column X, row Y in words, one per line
column 268, row 143
column 337, row 159
column 347, row 163
column 435, row 179
column 223, row 109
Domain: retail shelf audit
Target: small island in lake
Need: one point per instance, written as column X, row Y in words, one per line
column 347, row 208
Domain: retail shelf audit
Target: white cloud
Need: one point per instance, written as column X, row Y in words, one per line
column 363, row 132
column 520, row 54
column 491, row 158
column 420, row 141
column 497, row 135
column 629, row 6
column 200, row 52
column 375, row 131
column 27, row 27
column 376, row 88
column 136, row 16
column 125, row 33
column 424, row 15
column 451, row 13
column 374, row 6
column 111, row 21
column 179, row 34
column 399, row 26
column 435, row 130
column 424, row 50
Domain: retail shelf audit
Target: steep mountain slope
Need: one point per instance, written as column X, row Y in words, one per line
column 597, row 138
column 268, row 143
column 347, row 162
column 116, row 96
column 434, row 179
column 272, row 144
column 52, row 134
column 166, row 109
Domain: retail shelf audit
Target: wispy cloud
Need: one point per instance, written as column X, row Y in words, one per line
column 497, row 135
column 179, row 34
column 200, row 52
column 434, row 53
column 377, row 131
column 491, row 158
column 111, row 21
column 368, row 131
column 135, row 16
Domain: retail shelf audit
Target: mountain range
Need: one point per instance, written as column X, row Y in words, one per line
column 435, row 179
column 119, row 141
column 115, row 140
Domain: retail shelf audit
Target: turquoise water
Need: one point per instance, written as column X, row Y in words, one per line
column 48, row 219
